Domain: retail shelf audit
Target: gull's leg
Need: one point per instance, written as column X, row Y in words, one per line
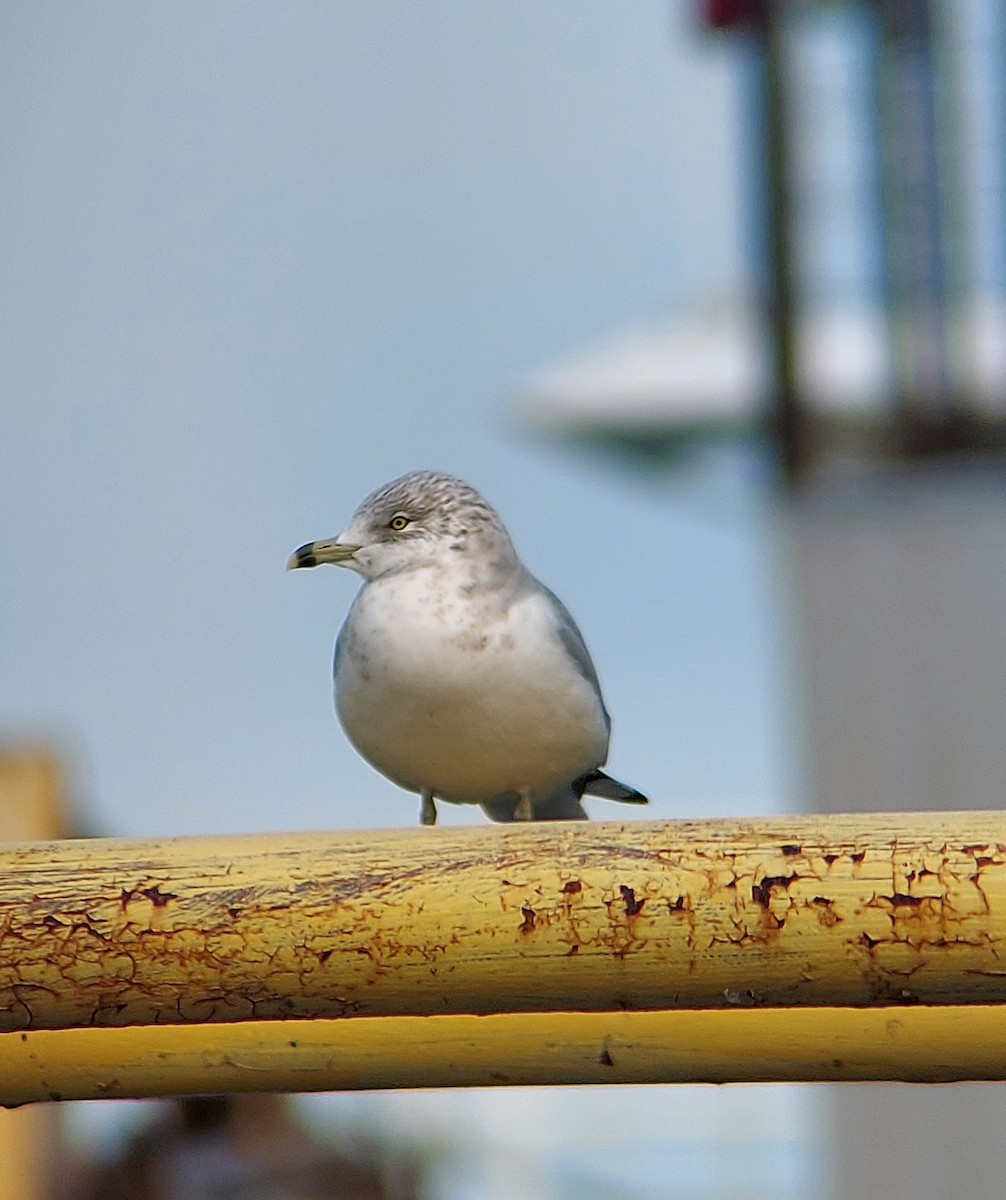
column 523, row 811
column 428, row 810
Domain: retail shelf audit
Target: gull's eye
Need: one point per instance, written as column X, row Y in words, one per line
column 399, row 522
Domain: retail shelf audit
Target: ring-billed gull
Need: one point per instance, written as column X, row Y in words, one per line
column 457, row 674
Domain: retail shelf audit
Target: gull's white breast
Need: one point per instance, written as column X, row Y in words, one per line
column 445, row 692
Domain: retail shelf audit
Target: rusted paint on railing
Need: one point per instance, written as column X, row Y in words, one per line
column 807, row 911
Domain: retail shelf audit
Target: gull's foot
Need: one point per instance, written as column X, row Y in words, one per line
column 428, row 810
column 523, row 811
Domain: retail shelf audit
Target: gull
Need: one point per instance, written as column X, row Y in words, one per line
column 457, row 674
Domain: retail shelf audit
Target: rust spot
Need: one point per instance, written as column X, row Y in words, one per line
column 632, row 906
column 826, row 912
column 902, row 900
column 156, row 897
column 975, row 847
column 605, row 1058
column 572, row 888
column 86, row 927
column 986, row 860
column 761, row 893
column 527, row 925
column 574, row 949
column 790, row 850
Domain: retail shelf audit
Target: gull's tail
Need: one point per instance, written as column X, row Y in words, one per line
column 596, row 783
column 564, row 805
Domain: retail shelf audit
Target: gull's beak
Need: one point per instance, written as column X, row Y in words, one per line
column 316, row 553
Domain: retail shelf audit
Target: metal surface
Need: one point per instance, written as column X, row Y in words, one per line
column 925, row 1044
column 823, row 910
column 30, row 807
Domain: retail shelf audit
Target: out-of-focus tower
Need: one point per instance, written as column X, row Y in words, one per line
column 900, row 558
column 879, row 378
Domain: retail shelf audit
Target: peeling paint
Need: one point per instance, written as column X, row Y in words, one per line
column 797, row 911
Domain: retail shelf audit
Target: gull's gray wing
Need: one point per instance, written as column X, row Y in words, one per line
column 575, row 646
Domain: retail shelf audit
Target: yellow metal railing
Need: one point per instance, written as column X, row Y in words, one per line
column 791, row 948
column 937, row 1044
column 30, row 807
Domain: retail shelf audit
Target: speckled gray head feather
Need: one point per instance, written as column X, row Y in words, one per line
column 437, row 504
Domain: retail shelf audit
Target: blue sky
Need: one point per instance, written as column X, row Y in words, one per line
column 260, row 258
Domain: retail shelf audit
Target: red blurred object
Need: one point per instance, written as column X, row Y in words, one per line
column 734, row 14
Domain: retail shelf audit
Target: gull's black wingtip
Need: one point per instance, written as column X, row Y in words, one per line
column 596, row 783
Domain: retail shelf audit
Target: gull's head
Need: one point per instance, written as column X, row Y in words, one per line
column 423, row 519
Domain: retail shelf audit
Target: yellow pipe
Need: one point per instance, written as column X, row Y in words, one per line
column 813, row 910
column 31, row 791
column 920, row 1044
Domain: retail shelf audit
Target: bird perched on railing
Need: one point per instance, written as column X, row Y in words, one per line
column 457, row 674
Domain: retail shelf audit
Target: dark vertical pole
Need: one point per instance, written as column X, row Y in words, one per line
column 909, row 166
column 788, row 420
column 881, row 192
column 764, row 21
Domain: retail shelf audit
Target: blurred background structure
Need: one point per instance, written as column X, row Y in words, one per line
column 872, row 363
column 242, row 1148
column 259, row 259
